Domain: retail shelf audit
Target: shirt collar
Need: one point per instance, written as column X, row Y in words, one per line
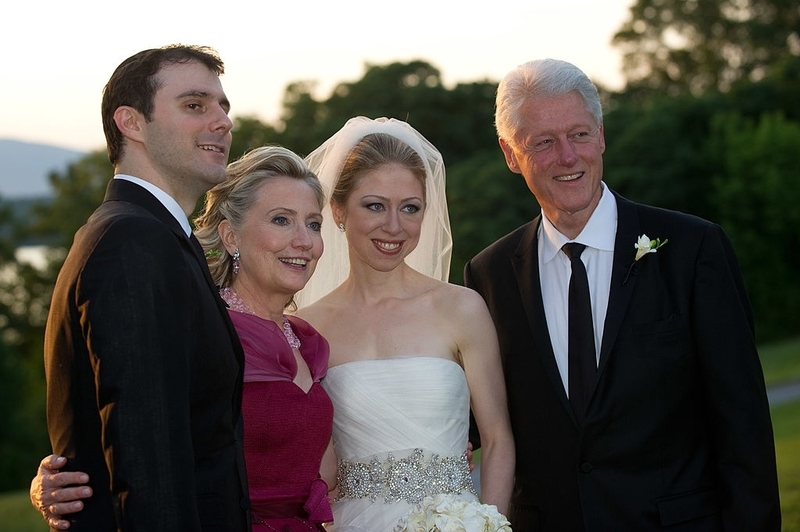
column 599, row 232
column 166, row 200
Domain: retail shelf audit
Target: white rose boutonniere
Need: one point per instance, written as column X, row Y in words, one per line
column 644, row 246
column 448, row 513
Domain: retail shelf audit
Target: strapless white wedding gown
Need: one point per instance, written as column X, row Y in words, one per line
column 400, row 427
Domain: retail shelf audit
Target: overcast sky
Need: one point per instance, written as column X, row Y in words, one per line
column 58, row 55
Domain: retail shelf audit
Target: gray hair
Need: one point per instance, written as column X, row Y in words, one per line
column 542, row 77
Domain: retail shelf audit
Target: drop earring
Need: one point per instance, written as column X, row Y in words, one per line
column 341, row 227
column 236, row 261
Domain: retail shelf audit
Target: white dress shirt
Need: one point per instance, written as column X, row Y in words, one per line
column 555, row 270
column 166, row 200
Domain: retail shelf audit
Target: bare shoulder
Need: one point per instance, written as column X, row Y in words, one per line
column 321, row 313
column 309, row 313
column 460, row 299
column 463, row 312
column 465, row 315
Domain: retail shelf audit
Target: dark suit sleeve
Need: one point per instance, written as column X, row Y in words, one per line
column 736, row 398
column 132, row 297
column 468, row 278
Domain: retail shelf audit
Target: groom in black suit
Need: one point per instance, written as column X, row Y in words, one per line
column 660, row 421
column 143, row 367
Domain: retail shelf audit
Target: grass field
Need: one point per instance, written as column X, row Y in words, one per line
column 781, row 363
column 18, row 514
column 786, row 423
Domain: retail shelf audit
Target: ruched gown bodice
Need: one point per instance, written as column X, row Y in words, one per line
column 394, row 406
column 286, row 430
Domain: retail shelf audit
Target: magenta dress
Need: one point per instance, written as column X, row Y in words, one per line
column 286, row 430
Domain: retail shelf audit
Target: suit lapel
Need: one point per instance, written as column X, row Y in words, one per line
column 526, row 269
column 199, row 254
column 121, row 190
column 623, row 277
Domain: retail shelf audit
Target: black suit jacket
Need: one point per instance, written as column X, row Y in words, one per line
column 678, row 432
column 144, row 375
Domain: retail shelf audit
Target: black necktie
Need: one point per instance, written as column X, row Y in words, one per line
column 582, row 361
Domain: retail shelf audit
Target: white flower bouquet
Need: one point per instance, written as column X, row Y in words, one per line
column 449, row 513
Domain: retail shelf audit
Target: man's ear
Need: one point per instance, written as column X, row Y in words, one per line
column 227, row 236
column 129, row 122
column 511, row 157
column 602, row 139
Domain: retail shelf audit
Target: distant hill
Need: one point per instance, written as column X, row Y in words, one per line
column 24, row 168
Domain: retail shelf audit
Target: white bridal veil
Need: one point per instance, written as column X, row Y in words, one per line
column 432, row 254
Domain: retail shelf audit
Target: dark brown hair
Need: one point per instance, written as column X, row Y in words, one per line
column 135, row 82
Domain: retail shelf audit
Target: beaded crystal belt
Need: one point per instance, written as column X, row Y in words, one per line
column 408, row 479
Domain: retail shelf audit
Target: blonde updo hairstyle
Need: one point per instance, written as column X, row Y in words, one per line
column 233, row 198
column 362, row 146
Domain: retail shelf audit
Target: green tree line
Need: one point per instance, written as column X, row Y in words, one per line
column 708, row 123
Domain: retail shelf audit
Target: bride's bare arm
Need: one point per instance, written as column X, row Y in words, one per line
column 329, row 469
column 55, row 493
column 480, row 353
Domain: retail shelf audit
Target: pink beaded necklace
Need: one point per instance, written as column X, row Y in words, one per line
column 235, row 303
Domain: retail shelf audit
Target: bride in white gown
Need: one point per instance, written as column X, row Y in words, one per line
column 410, row 353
